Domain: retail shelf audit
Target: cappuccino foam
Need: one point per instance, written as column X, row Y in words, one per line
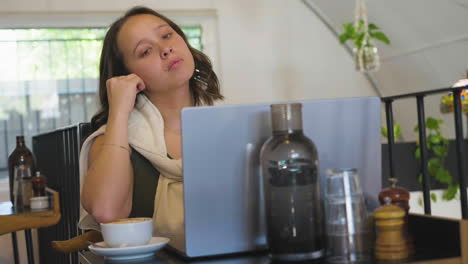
column 129, row 220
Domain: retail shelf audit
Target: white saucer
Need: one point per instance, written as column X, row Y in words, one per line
column 127, row 253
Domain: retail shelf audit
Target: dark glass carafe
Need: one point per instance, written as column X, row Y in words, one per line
column 293, row 208
column 20, row 154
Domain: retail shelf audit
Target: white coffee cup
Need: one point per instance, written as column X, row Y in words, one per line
column 127, row 232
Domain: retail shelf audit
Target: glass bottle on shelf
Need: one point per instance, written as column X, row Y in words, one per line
column 23, row 151
column 293, row 209
column 39, row 184
column 22, row 186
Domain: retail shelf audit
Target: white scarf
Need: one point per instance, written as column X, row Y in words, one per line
column 146, row 135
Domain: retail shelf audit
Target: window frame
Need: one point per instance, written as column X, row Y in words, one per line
column 206, row 18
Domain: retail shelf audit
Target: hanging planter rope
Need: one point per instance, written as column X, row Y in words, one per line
column 365, row 60
column 362, row 33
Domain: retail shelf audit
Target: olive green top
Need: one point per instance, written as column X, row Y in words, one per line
column 145, row 182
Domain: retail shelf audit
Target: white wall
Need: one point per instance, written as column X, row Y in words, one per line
column 440, row 207
column 278, row 50
column 268, row 50
column 428, row 50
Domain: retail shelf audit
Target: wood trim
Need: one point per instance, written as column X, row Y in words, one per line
column 436, row 217
column 78, row 243
column 17, row 222
column 464, row 241
column 440, row 261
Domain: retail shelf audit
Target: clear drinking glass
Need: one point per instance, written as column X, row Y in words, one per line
column 18, row 189
column 346, row 218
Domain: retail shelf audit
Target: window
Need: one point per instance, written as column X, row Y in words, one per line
column 49, row 79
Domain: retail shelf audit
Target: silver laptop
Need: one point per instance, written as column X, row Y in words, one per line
column 221, row 144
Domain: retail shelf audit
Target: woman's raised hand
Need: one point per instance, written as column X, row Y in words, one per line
column 121, row 93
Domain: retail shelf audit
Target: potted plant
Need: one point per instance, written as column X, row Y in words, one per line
column 362, row 35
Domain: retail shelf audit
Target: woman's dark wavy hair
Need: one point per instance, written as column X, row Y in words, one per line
column 204, row 85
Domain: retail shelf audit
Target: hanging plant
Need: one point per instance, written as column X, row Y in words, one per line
column 363, row 34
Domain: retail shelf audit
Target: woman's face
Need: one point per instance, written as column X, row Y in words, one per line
column 155, row 52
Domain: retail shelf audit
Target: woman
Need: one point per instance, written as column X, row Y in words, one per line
column 148, row 73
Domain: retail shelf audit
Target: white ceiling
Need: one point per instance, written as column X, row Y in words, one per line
column 429, row 46
column 429, row 50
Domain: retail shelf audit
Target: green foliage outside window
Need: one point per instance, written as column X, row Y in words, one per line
column 46, row 55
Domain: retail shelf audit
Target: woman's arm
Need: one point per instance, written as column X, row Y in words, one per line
column 108, row 185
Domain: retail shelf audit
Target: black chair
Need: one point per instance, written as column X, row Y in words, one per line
column 57, row 156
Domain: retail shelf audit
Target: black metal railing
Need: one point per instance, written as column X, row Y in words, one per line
column 419, row 96
column 57, row 155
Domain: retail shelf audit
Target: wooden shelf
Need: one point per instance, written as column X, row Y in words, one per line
column 11, row 221
column 438, row 240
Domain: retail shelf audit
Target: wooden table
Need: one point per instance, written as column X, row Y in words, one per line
column 168, row 257
column 437, row 240
column 12, row 221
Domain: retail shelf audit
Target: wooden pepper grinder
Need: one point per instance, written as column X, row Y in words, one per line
column 400, row 197
column 390, row 244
